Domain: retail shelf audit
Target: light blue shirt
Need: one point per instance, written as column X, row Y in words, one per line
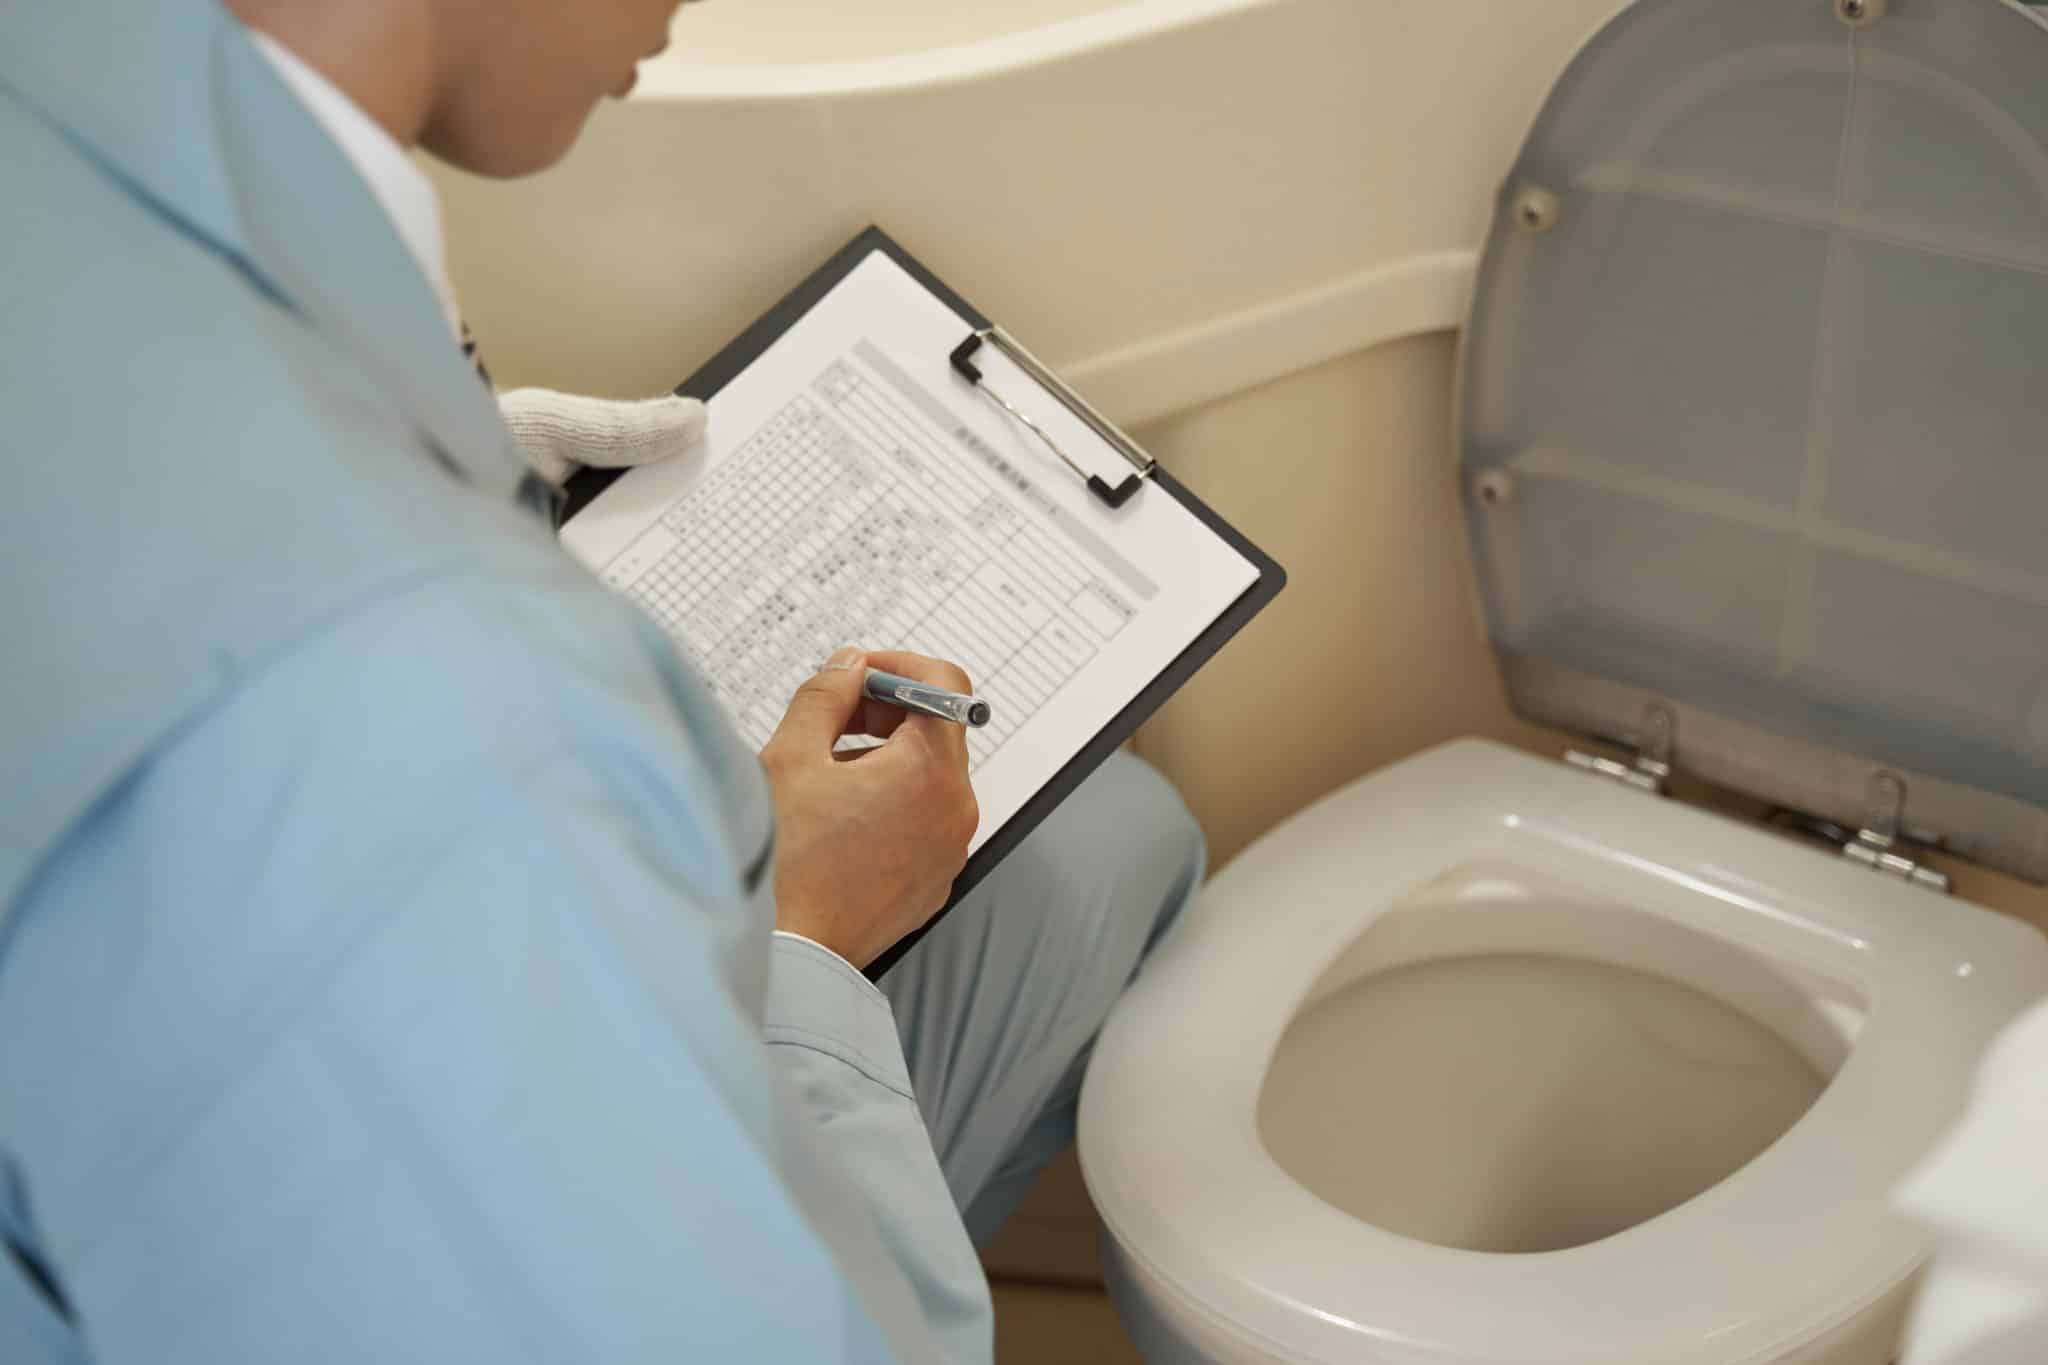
column 385, row 955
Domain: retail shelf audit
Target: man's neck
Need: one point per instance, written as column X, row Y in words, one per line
column 380, row 53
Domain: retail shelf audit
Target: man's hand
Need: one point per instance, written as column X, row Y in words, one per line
column 869, row 843
column 559, row 432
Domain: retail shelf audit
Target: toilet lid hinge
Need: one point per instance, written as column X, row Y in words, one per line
column 1878, row 844
column 1883, row 843
column 1650, row 769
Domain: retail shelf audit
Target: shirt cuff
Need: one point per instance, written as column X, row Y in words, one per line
column 817, row 999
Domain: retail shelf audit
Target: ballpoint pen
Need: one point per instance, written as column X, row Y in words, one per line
column 925, row 699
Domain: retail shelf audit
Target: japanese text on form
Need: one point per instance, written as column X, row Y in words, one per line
column 847, row 519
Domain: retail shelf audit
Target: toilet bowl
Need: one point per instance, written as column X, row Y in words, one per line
column 1496, row 1058
column 1652, row 1082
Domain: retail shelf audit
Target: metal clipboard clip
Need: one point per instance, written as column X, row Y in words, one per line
column 1116, row 495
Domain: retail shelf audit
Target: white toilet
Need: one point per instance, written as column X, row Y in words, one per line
column 1491, row 1058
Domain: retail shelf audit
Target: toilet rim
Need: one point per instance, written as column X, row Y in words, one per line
column 1168, row 1122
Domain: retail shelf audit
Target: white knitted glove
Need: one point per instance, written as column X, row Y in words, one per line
column 561, row 432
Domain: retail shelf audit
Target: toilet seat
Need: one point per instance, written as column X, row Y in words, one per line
column 1800, row 1235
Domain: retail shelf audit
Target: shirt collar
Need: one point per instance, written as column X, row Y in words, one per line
column 400, row 188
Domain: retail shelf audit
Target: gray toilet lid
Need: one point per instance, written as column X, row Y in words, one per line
column 1754, row 406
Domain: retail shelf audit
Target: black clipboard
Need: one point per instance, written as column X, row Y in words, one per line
column 722, row 368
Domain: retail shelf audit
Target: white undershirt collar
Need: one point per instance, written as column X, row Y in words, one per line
column 401, row 188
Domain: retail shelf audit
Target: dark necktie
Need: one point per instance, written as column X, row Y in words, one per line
column 535, row 494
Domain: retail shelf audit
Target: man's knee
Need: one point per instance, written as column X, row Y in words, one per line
column 1092, row 890
column 1145, row 831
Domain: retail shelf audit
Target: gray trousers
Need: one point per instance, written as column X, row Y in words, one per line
column 999, row 1006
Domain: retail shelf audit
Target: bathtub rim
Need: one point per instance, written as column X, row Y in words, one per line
column 673, row 77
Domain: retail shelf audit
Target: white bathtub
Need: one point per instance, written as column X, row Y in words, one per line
column 1170, row 199
column 767, row 34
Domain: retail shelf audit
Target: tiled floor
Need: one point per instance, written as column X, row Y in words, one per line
column 1047, row 1325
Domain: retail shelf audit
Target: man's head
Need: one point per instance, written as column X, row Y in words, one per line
column 525, row 74
column 499, row 87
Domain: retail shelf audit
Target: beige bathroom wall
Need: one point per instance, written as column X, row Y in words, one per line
column 1346, row 474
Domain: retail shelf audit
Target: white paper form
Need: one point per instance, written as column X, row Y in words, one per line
column 852, row 489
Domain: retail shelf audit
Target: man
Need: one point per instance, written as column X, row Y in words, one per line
column 400, row 959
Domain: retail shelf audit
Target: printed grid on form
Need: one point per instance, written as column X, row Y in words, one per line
column 846, row 519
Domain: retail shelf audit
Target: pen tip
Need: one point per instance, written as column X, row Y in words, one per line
column 977, row 714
